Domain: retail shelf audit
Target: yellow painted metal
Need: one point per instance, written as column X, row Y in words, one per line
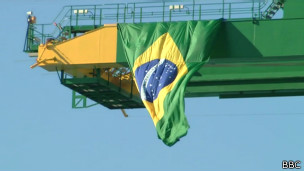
column 93, row 49
column 80, row 55
column 123, row 82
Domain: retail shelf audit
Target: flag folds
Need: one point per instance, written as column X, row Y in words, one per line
column 163, row 57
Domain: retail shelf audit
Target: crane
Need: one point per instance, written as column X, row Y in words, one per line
column 255, row 55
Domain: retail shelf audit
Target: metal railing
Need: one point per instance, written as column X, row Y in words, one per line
column 73, row 17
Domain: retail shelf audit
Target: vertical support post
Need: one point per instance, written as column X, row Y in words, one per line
column 42, row 37
column 229, row 10
column 74, row 103
column 73, row 99
column 71, row 17
column 26, row 41
column 98, row 73
column 200, row 12
column 76, row 99
column 100, row 17
column 193, row 9
column 117, row 16
column 131, row 95
column 140, row 19
column 259, row 10
column 108, row 77
column 170, row 14
column 223, row 9
column 62, row 76
column 77, row 17
column 30, row 36
column 85, row 102
column 252, row 9
column 119, row 82
column 163, row 11
column 94, row 15
column 125, row 9
column 134, row 12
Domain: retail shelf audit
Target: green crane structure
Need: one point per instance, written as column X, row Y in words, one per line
column 254, row 55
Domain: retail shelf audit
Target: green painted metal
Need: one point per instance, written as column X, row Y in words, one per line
column 71, row 17
column 101, row 91
column 80, row 101
column 250, row 59
column 260, row 39
column 293, row 9
column 253, row 56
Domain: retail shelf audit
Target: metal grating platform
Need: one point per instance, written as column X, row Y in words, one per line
column 103, row 92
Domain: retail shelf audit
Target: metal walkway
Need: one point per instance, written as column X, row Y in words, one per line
column 73, row 20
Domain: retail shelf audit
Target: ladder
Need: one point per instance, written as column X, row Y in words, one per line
column 272, row 9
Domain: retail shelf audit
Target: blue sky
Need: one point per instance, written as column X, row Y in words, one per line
column 40, row 131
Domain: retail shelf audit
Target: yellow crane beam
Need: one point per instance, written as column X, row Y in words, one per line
column 80, row 55
column 96, row 48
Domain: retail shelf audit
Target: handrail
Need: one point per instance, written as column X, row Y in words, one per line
column 97, row 15
column 263, row 4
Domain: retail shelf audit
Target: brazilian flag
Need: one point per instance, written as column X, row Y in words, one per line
column 163, row 57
